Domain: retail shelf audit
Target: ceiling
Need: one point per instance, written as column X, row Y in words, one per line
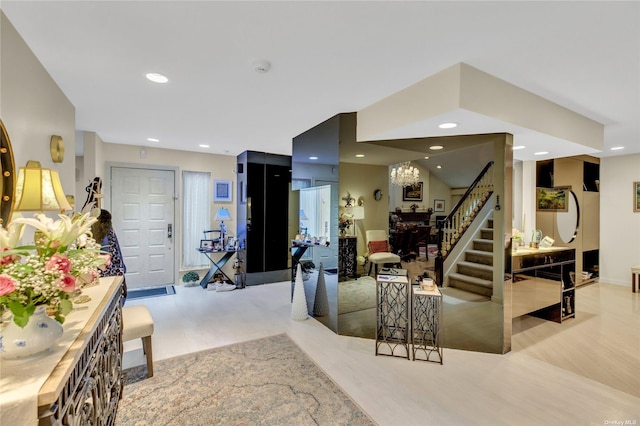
column 326, row 58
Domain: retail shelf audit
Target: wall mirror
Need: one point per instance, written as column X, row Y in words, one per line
column 568, row 221
column 7, row 180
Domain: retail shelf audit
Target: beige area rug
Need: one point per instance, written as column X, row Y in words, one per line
column 268, row 381
column 356, row 295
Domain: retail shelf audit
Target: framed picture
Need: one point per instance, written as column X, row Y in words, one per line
column 231, row 243
column 438, row 205
column 206, row 244
column 221, row 190
column 636, row 197
column 412, row 192
column 552, row 199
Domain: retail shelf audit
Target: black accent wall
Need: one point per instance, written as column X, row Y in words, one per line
column 263, row 207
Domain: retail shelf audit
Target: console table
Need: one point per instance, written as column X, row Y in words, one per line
column 543, row 283
column 79, row 381
column 348, row 256
column 222, row 257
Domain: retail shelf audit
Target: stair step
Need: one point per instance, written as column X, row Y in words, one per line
column 471, row 284
column 486, row 234
column 483, row 244
column 479, row 256
column 477, row 270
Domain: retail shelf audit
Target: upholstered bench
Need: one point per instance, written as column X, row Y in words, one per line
column 635, row 276
column 138, row 324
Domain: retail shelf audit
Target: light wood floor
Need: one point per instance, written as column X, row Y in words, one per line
column 582, row 372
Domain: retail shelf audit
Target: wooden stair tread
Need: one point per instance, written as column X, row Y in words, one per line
column 472, row 280
column 485, row 267
column 480, row 252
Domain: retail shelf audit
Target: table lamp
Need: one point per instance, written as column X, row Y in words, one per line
column 358, row 213
column 222, row 214
column 39, row 189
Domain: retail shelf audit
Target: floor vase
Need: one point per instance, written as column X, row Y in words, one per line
column 39, row 335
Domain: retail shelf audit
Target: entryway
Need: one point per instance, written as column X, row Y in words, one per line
column 143, row 208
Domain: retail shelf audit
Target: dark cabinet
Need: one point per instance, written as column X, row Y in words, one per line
column 263, row 203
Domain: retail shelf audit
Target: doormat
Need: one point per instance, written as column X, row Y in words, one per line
column 331, row 271
column 139, row 293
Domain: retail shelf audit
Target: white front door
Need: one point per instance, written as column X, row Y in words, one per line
column 142, row 206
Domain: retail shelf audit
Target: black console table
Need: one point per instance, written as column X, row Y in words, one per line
column 348, row 256
column 222, row 257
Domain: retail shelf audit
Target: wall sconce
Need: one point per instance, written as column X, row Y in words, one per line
column 39, row 189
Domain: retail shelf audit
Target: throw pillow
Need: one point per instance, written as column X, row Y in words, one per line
column 378, row 246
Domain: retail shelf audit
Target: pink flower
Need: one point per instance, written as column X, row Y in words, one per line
column 59, row 262
column 89, row 277
column 68, row 284
column 107, row 259
column 5, row 260
column 7, row 284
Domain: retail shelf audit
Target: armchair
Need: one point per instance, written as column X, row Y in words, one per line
column 379, row 252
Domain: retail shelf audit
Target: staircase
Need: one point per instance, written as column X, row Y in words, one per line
column 475, row 272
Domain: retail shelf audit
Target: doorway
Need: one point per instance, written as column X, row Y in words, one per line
column 143, row 208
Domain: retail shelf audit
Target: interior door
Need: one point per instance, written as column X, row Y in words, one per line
column 142, row 206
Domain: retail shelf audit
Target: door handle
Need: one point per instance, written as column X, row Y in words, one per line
column 169, row 231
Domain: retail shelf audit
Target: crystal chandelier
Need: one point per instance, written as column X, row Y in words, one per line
column 405, row 175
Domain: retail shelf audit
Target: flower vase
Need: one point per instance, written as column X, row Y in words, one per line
column 40, row 334
column 343, row 232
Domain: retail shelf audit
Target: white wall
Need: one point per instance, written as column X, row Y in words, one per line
column 619, row 225
column 33, row 108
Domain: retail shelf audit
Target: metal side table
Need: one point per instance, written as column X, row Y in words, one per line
column 393, row 324
column 427, row 324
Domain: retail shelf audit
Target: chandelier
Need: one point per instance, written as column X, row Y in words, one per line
column 405, row 175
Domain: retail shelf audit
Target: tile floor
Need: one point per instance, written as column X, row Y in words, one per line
column 583, row 372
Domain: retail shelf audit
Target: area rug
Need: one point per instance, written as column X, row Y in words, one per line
column 139, row 293
column 356, row 295
column 268, row 381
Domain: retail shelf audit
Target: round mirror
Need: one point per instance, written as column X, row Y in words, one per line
column 7, row 176
column 567, row 222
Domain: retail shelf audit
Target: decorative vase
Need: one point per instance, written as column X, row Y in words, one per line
column 40, row 334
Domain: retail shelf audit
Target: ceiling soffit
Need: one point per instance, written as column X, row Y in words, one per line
column 464, row 87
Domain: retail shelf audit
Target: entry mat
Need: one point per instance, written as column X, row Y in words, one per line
column 139, row 293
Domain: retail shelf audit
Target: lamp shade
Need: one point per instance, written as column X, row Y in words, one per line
column 357, row 212
column 222, row 214
column 39, row 189
column 303, row 216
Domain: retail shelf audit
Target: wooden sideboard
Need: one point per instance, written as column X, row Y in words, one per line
column 79, row 381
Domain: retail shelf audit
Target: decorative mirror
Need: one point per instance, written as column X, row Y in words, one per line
column 569, row 220
column 7, row 180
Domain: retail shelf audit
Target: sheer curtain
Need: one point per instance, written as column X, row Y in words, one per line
column 196, row 214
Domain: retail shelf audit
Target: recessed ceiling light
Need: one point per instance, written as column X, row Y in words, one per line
column 450, row 125
column 153, row 140
column 439, row 166
column 617, row 148
column 519, row 147
column 436, row 147
column 426, row 158
column 202, row 145
column 157, row 78
column 359, row 155
column 541, row 153
column 313, row 158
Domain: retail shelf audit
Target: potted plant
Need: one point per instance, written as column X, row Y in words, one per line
column 189, row 279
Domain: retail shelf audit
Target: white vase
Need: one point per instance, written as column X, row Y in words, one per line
column 40, row 334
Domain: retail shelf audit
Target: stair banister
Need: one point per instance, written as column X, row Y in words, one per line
column 462, row 214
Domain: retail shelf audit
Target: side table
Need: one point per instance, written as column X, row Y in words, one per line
column 216, row 265
column 393, row 323
column 427, row 323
